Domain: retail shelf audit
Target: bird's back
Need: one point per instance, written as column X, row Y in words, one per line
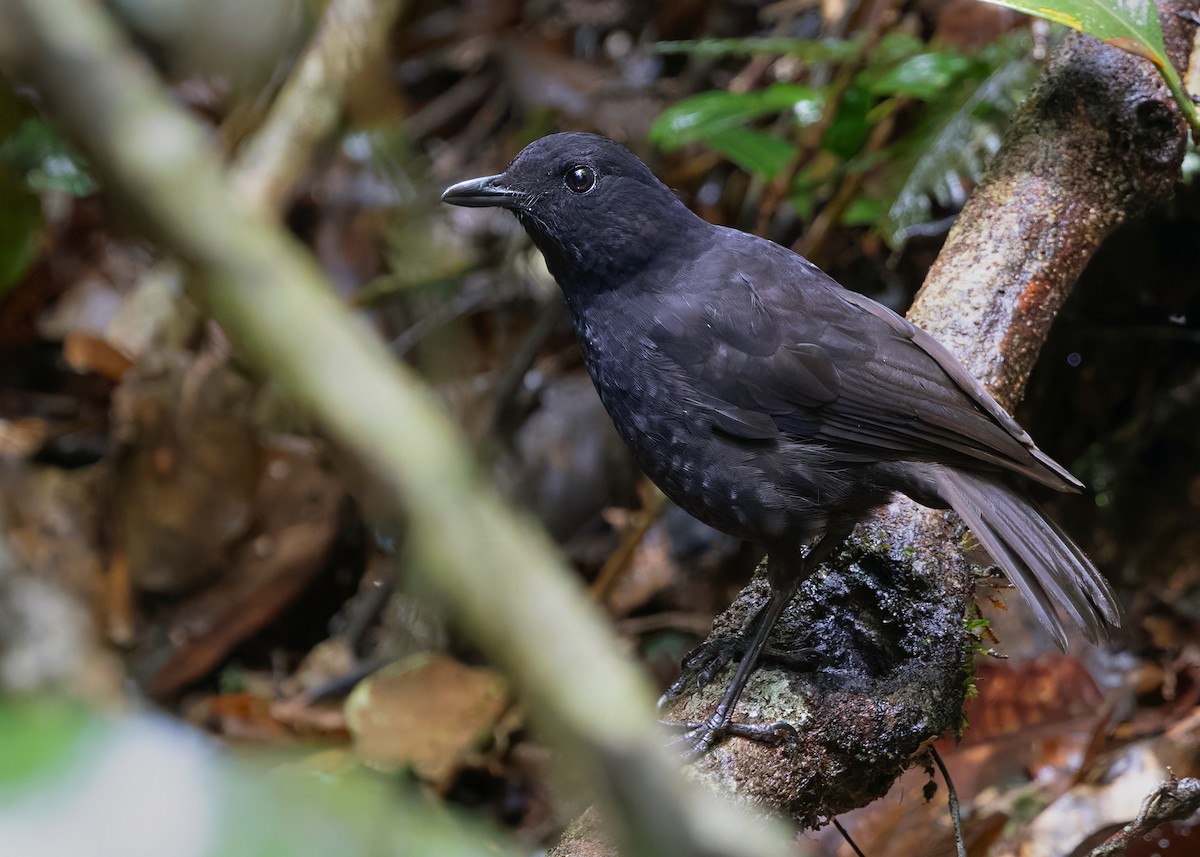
column 894, row 391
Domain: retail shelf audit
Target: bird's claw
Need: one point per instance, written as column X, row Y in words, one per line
column 705, row 662
column 697, row 738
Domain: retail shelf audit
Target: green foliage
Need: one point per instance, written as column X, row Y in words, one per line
column 953, row 141
column 923, row 76
column 809, row 50
column 863, row 211
column 50, row 737
column 700, row 116
column 950, row 105
column 20, row 210
column 976, row 624
column 33, row 158
column 976, row 627
column 64, row 788
column 851, row 123
column 20, row 230
column 754, row 151
column 718, row 119
column 1129, row 24
column 37, row 153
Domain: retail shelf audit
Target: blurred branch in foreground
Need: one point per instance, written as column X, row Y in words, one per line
column 496, row 573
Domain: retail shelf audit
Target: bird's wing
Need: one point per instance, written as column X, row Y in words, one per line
column 821, row 363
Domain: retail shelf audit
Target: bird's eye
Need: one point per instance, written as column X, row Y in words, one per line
column 580, row 179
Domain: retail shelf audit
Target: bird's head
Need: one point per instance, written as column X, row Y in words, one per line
column 591, row 207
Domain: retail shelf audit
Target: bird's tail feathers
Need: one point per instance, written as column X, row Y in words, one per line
column 1039, row 558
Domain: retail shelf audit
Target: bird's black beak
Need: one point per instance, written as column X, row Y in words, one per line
column 482, row 193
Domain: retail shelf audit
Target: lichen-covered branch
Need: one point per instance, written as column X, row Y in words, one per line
column 1098, row 141
column 497, row 574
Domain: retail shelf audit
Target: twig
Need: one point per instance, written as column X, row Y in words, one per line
column 952, row 799
column 307, row 109
column 614, row 568
column 1174, row 800
column 853, row 845
column 1183, row 98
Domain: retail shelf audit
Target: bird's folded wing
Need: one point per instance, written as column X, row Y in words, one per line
column 864, row 382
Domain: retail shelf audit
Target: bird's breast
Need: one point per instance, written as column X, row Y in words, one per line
column 656, row 411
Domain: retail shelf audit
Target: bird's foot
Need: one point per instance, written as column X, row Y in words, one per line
column 802, row 659
column 705, row 662
column 697, row 738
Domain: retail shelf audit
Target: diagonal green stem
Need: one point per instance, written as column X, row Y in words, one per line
column 1182, row 97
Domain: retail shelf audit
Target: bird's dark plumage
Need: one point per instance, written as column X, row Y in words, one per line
column 763, row 397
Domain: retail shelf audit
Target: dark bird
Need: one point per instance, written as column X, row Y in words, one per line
column 770, row 402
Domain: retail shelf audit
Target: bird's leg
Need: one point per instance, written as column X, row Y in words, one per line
column 707, row 733
column 705, row 662
column 784, row 580
column 708, row 659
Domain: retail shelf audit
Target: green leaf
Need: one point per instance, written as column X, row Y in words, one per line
column 1131, row 25
column 20, row 230
column 809, row 50
column 35, row 151
column 850, row 127
column 756, row 152
column 863, row 211
column 1128, row 24
column 700, row 117
column 950, row 148
column 894, row 48
column 717, row 119
column 923, row 76
column 43, row 740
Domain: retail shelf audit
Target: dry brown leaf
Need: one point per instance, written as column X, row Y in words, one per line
column 327, row 719
column 87, row 353
column 1013, row 696
column 427, row 712
column 297, row 502
column 244, row 716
